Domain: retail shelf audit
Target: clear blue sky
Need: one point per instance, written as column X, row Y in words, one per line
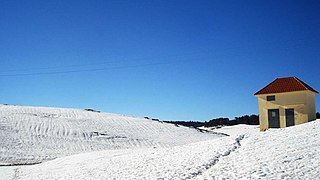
column 173, row 60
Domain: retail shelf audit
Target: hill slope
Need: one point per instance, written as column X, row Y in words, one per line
column 34, row 134
column 290, row 153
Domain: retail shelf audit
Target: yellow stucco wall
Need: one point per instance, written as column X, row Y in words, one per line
column 311, row 103
column 303, row 103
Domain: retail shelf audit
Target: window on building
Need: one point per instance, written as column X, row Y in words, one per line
column 271, row 98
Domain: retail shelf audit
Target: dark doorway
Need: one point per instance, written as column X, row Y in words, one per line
column 290, row 117
column 274, row 118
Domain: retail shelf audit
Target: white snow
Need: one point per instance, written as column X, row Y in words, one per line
column 289, row 153
column 31, row 135
column 179, row 162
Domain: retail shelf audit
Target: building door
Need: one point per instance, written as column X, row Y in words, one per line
column 290, row 117
column 273, row 118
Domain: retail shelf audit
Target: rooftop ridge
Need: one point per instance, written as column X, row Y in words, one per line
column 306, row 85
column 299, row 81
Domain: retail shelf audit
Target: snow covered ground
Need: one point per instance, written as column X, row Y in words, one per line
column 289, row 153
column 31, row 135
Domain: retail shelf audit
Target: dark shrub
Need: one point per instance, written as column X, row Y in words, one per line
column 92, row 110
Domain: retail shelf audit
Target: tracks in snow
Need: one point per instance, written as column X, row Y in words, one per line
column 180, row 162
column 217, row 157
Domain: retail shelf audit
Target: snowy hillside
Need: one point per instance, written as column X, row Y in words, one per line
column 33, row 134
column 290, row 153
column 180, row 153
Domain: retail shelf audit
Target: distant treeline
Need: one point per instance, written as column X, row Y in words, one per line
column 251, row 120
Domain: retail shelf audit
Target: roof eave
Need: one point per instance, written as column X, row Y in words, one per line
column 257, row 93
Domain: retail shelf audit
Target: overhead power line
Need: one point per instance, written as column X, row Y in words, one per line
column 138, row 59
column 123, row 66
column 91, row 70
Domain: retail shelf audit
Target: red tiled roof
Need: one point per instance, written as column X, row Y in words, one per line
column 287, row 84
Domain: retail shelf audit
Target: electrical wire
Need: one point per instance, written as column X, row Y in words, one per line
column 91, row 70
column 119, row 67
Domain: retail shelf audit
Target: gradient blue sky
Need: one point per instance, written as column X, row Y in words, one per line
column 173, row 60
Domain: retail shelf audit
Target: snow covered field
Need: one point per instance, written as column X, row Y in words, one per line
column 289, row 153
column 167, row 152
column 31, row 135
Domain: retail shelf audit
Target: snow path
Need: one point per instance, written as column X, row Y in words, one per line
column 216, row 158
column 289, row 153
column 179, row 162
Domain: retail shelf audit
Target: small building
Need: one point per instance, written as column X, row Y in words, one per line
column 286, row 102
